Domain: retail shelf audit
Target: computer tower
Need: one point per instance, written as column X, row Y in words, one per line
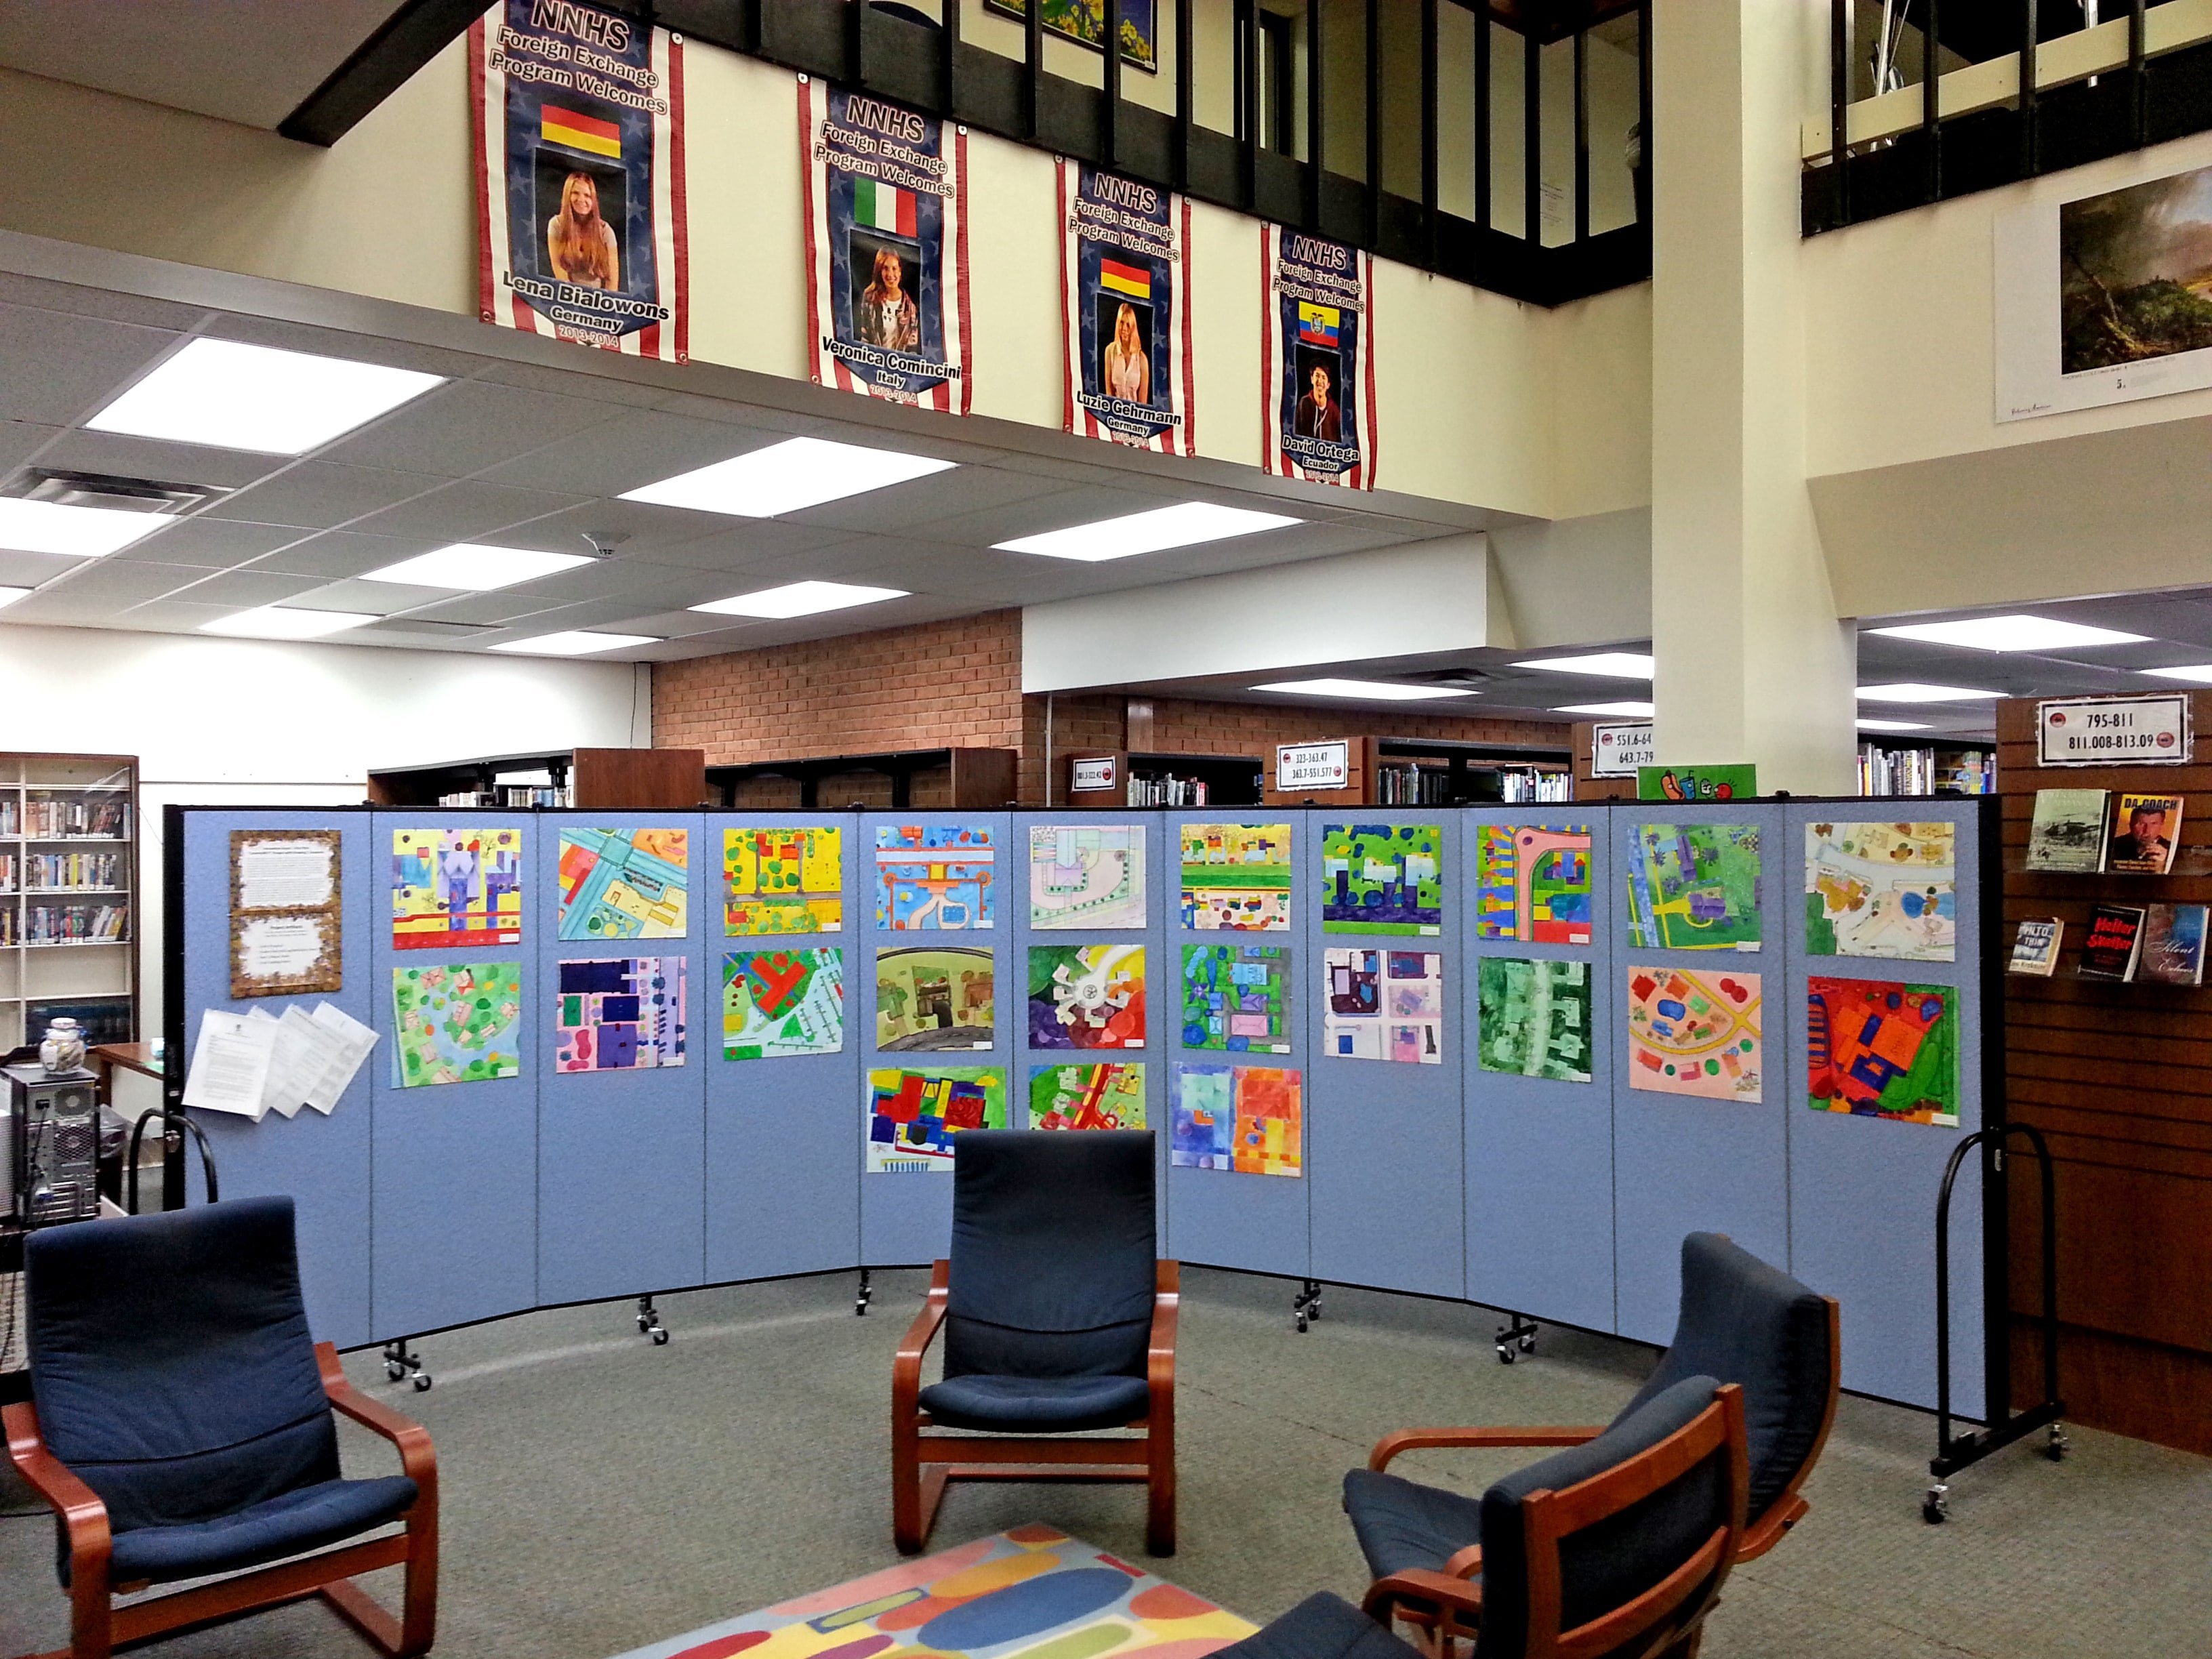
column 54, row 1145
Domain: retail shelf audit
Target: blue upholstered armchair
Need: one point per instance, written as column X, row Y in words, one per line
column 180, row 1425
column 1058, row 1316
column 1742, row 1321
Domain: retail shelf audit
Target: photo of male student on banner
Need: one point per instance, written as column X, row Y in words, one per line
column 1125, row 310
column 1317, row 385
column 578, row 119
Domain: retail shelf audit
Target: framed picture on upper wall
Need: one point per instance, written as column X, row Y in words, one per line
column 1083, row 21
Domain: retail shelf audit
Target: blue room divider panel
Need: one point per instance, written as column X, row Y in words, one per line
column 1227, row 1218
column 918, row 884
column 322, row 1162
column 1540, row 1177
column 1064, row 890
column 455, row 1164
column 621, row 1205
column 783, row 1130
column 1384, row 1134
column 1862, row 1190
column 1715, row 1162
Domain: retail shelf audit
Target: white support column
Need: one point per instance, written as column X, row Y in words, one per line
column 1753, row 663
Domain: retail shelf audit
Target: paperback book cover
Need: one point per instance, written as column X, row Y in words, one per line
column 2144, row 830
column 2069, row 830
column 2115, row 942
column 2174, row 944
column 2035, row 948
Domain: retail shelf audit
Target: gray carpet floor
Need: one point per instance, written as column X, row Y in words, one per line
column 601, row 1493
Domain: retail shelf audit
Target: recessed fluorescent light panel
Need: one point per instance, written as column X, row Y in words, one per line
column 278, row 621
column 1379, row 691
column 787, row 477
column 1612, row 665
column 9, row 595
column 799, row 599
column 1913, row 691
column 84, row 532
column 1893, row 726
column 575, row 643
column 1186, row 525
column 234, row 396
column 476, row 569
column 2010, row 634
column 2194, row 673
column 1628, row 710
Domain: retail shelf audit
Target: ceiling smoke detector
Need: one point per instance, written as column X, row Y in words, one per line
column 603, row 542
column 102, row 490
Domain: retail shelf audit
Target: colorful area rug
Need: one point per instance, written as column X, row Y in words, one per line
column 1033, row 1593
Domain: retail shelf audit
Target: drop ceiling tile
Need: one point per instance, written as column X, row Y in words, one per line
column 464, row 427
column 380, row 599
column 61, row 368
column 498, row 610
column 29, row 569
column 320, row 494
column 335, row 554
column 104, row 304
column 681, row 624
column 755, row 545
column 240, row 590
column 580, row 381
column 120, row 456
column 632, row 449
column 648, row 531
column 217, row 543
column 1062, row 509
column 21, row 440
column 360, row 348
column 640, row 586
column 928, row 500
column 470, row 510
column 102, row 583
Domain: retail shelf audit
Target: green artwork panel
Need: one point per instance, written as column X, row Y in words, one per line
column 455, row 1022
column 1693, row 886
column 1535, row 1018
column 1236, row 997
column 1882, row 1048
column 776, row 1004
column 1382, row 878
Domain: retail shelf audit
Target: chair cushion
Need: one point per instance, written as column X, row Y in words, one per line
column 1747, row 1322
column 1036, row 1405
column 1402, row 1524
column 306, row 1519
column 170, row 1363
column 1322, row 1626
column 1612, row 1561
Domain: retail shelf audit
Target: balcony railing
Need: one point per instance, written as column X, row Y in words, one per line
column 1500, row 142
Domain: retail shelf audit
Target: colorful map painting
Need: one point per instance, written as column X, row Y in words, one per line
column 1382, row 878
column 1694, row 1033
column 624, row 884
column 454, row 888
column 1032, row 1590
column 1270, row 1139
column 783, row 879
column 1881, row 890
column 934, row 876
column 1879, row 1048
column 1533, row 883
column 913, row 1117
column 931, row 999
column 620, row 1014
column 1535, row 1018
column 1205, row 1129
column 776, row 1004
column 1095, row 1096
column 1086, row 996
column 1383, row 1004
column 1237, row 878
column 1693, row 886
column 1087, row 876
column 455, row 1022
column 1236, row 998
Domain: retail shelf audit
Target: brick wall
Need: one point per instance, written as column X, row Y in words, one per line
column 1182, row 726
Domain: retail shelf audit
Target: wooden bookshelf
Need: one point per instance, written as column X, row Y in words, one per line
column 2118, row 1078
column 1452, row 774
column 1588, row 785
column 964, row 780
column 68, row 894
column 614, row 780
column 1144, row 777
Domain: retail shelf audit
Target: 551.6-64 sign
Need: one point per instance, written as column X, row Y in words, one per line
column 2152, row 731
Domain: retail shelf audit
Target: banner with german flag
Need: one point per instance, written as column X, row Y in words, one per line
column 885, row 194
column 577, row 114
column 1317, row 372
column 1125, row 310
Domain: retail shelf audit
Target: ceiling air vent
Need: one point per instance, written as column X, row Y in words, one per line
column 41, row 483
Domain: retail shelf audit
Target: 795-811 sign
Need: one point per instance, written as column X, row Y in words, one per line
column 2149, row 731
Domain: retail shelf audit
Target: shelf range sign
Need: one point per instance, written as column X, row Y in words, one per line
column 1617, row 751
column 1313, row 766
column 2145, row 731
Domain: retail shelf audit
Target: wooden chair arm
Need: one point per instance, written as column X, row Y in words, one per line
column 1405, row 1440
column 1160, row 1351
column 1459, row 1600
column 83, row 1513
column 417, row 1454
column 906, row 1368
column 1767, row 1531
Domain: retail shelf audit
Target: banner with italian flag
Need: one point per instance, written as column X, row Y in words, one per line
column 885, row 192
column 1316, row 360
column 1125, row 310
column 577, row 117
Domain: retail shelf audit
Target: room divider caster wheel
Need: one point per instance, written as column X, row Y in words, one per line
column 1505, row 1353
column 421, row 1382
column 1299, row 1321
column 393, row 1371
column 660, row 1339
column 2059, row 1445
column 1935, row 1508
column 1527, row 1344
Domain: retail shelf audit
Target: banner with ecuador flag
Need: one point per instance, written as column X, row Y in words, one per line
column 1318, row 372
column 577, row 115
column 886, row 208
column 1125, row 308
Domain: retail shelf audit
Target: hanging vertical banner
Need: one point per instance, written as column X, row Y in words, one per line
column 1125, row 306
column 886, row 205
column 1317, row 417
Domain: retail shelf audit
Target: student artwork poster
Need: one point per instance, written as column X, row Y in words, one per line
column 913, row 1117
column 886, row 203
column 456, row 889
column 620, row 1014
column 578, row 122
column 1125, row 308
column 1084, row 875
column 1105, row 1096
column 624, row 884
column 1882, row 1048
column 455, row 1022
column 782, row 878
column 779, row 1004
column 1236, row 877
column 1317, row 374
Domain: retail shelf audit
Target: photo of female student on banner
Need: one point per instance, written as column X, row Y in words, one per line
column 1125, row 309
column 579, row 177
